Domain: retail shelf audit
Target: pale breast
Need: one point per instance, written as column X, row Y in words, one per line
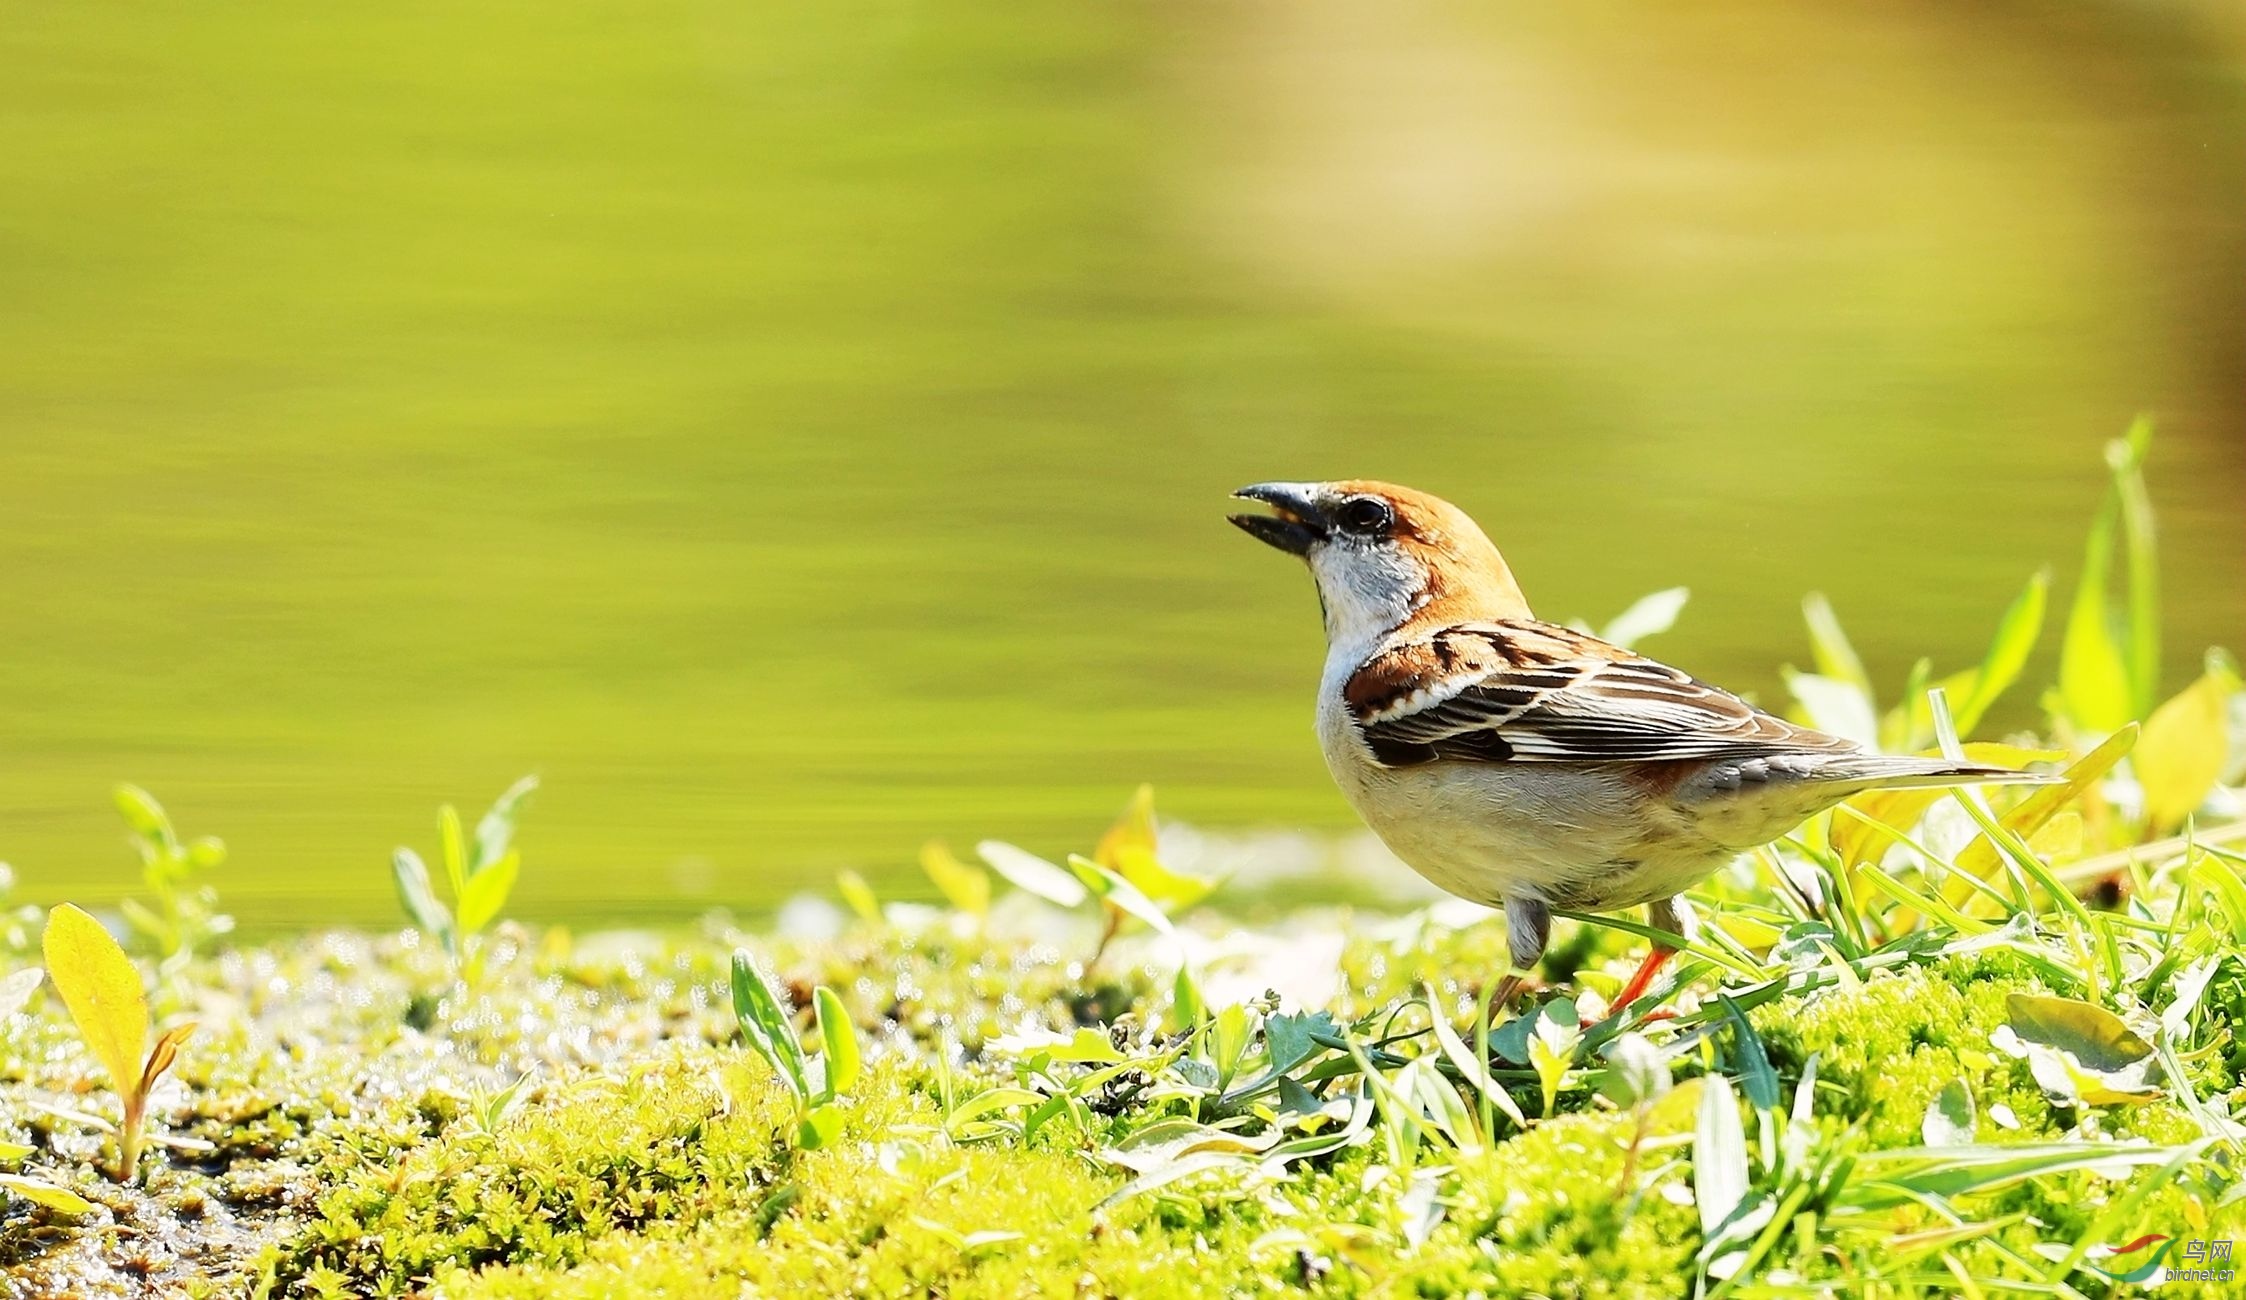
column 1572, row 835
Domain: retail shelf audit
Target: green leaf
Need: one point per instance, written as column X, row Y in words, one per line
column 145, row 919
column 1290, row 1039
column 2060, row 1075
column 1118, row 892
column 495, row 830
column 1552, row 1049
column 1829, row 645
column 1026, row 871
column 821, row 1127
column 977, row 1243
column 856, row 892
column 41, row 1192
column 1163, row 1175
column 2016, row 635
column 1424, row 1087
column 452, row 850
column 1089, row 1045
column 1228, row 1041
column 1755, row 1072
column 103, row 992
column 1511, row 1039
column 2186, row 745
column 837, row 1039
column 2094, row 677
column 146, row 818
column 988, row 1101
column 1187, row 1010
column 1719, row 1156
column 486, row 892
column 419, row 896
column 1651, row 615
column 1909, row 1175
column 966, row 888
column 2230, row 891
column 766, row 1025
column 1949, row 1118
column 1470, row 1066
column 1981, row 857
column 2126, row 456
column 1637, row 1072
column 1909, row 725
column 2096, row 1037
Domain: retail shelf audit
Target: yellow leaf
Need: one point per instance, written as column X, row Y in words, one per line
column 1747, row 932
column 2060, row 838
column 2097, row 1038
column 102, row 990
column 1132, row 835
column 1981, row 858
column 856, row 892
column 1861, row 839
column 1866, row 825
column 967, row 888
column 1130, row 849
column 41, row 1192
column 161, row 1056
column 2185, row 746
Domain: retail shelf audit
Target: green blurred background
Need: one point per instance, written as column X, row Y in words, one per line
column 796, row 430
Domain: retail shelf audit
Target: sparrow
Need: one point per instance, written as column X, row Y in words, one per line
column 1524, row 765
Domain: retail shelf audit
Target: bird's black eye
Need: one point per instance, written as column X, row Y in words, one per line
column 1367, row 516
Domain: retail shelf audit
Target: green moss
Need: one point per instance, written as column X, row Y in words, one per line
column 648, row 1153
column 657, row 1145
column 1885, row 1050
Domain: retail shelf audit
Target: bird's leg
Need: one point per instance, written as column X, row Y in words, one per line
column 1647, row 969
column 1528, row 928
column 1673, row 916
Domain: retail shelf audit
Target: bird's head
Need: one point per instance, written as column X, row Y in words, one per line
column 1384, row 555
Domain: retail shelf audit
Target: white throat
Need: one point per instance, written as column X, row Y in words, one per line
column 1367, row 593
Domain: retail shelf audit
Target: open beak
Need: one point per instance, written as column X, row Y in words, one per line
column 1295, row 523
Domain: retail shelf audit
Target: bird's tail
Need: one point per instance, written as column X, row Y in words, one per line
column 1892, row 772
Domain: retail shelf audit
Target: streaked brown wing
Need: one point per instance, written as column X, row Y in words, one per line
column 1534, row 692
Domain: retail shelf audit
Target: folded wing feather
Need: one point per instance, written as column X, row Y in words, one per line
column 1535, row 692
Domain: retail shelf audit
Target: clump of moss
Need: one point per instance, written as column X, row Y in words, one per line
column 657, row 1144
column 1886, row 1050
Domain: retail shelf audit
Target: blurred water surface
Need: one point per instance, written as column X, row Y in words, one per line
column 798, row 430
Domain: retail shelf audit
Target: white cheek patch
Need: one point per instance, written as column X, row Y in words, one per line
column 1368, row 591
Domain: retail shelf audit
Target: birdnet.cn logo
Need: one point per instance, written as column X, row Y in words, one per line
column 2141, row 1261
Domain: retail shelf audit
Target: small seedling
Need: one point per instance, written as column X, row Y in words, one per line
column 481, row 872
column 184, row 915
column 814, row 1081
column 104, row 994
column 1125, row 873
